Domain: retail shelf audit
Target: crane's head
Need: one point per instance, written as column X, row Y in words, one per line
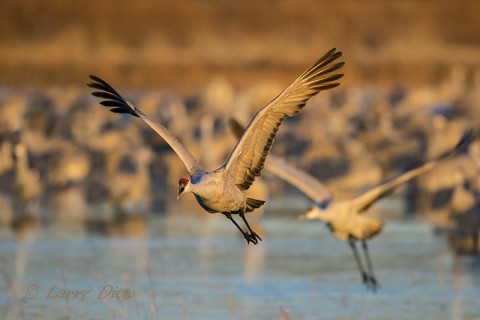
column 313, row 212
column 183, row 186
column 316, row 212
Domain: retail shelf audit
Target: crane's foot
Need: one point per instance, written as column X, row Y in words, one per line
column 366, row 280
column 370, row 282
column 250, row 238
column 373, row 284
column 254, row 235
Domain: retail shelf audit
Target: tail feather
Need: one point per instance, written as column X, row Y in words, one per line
column 368, row 228
column 253, row 204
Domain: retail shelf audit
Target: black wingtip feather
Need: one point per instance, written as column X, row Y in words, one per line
column 468, row 137
column 332, row 52
column 112, row 98
column 112, row 103
column 329, row 86
column 105, row 95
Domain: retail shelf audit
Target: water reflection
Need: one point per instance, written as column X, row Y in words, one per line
column 196, row 266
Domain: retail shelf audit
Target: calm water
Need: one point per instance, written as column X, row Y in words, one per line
column 199, row 268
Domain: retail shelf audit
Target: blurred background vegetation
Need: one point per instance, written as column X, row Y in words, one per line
column 411, row 88
column 180, row 45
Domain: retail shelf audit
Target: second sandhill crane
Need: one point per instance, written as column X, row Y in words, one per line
column 222, row 190
column 344, row 217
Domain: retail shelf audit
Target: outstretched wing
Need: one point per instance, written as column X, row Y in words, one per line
column 364, row 201
column 248, row 157
column 114, row 100
column 301, row 180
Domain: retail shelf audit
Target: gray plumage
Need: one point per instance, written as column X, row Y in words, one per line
column 344, row 217
column 221, row 190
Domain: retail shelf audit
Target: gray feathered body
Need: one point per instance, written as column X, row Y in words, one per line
column 346, row 222
column 216, row 194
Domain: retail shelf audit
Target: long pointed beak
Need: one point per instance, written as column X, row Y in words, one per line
column 304, row 216
column 179, row 191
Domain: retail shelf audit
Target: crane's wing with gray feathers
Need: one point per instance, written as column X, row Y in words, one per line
column 248, row 157
column 301, row 180
column 120, row 105
column 364, row 201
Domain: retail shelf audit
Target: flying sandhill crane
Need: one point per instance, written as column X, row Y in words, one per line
column 221, row 190
column 344, row 217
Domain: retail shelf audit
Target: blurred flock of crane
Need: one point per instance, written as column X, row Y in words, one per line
column 65, row 159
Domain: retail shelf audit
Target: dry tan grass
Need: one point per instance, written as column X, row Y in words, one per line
column 179, row 45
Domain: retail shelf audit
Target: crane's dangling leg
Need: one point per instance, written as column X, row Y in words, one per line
column 247, row 236
column 365, row 277
column 373, row 281
column 252, row 233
